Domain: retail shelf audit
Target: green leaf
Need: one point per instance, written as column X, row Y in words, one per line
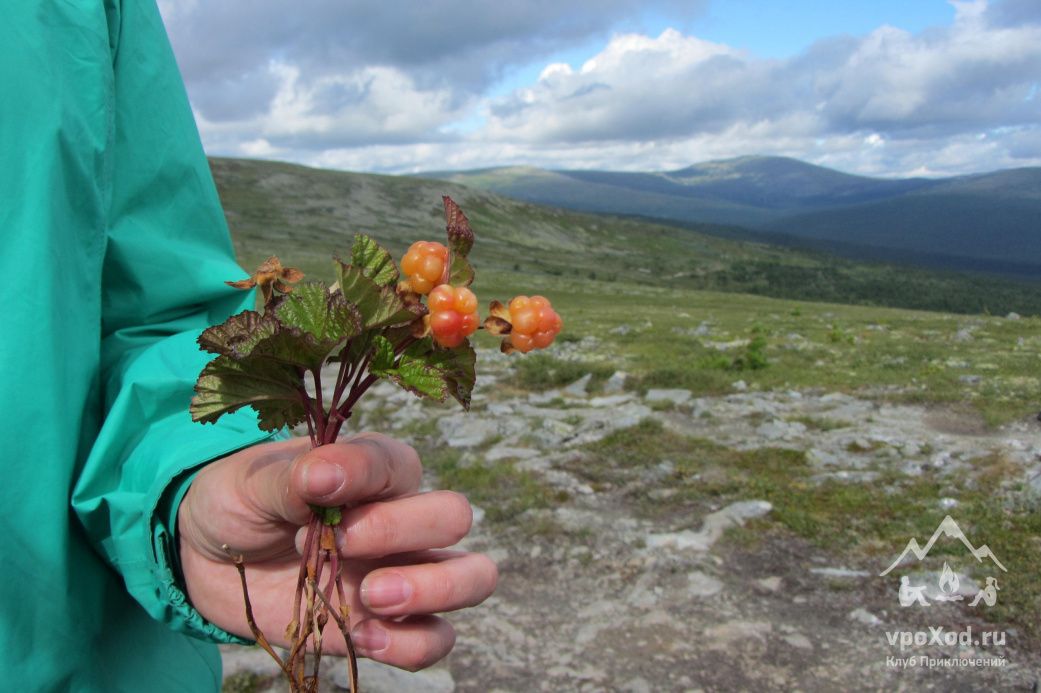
column 314, row 323
column 420, row 379
column 271, row 388
column 458, row 367
column 461, row 272
column 383, row 356
column 326, row 316
column 373, row 260
column 455, row 368
column 380, row 306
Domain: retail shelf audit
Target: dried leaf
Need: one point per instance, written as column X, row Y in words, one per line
column 497, row 309
column 248, row 283
column 497, row 327
column 460, row 241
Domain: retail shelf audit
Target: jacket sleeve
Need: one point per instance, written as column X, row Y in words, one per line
column 167, row 255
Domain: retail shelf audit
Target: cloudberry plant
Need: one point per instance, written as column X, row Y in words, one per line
column 374, row 327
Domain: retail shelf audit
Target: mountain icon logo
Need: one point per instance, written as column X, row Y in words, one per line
column 949, row 528
column 948, row 583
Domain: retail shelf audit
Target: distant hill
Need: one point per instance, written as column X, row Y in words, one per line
column 307, row 215
column 986, row 222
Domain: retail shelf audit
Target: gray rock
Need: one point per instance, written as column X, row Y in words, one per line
column 676, row 396
column 466, row 432
column 862, row 615
column 799, row 641
column 733, row 515
column 770, row 584
column 781, row 430
column 1012, row 316
column 701, row 585
column 381, row 678
column 579, row 388
column 739, row 385
column 840, row 572
column 505, row 452
column 610, row 401
column 616, row 383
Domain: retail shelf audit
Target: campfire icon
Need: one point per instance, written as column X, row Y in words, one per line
column 948, row 583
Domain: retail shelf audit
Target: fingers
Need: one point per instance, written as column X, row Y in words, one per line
column 411, row 643
column 454, row 580
column 426, row 521
column 365, row 467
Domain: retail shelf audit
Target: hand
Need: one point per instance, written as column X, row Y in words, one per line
column 396, row 578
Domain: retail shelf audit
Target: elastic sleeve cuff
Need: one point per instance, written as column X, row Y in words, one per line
column 169, row 578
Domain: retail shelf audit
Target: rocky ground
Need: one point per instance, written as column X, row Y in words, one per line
column 617, row 586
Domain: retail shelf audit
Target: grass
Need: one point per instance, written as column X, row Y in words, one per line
column 502, row 490
column 865, row 524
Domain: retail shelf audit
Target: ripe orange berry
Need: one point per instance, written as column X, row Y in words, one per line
column 453, row 314
column 441, row 298
column 424, row 265
column 535, row 323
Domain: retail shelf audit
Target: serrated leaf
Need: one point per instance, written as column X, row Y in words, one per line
column 456, row 367
column 237, row 335
column 382, row 356
column 460, row 241
column 460, row 235
column 373, row 260
column 325, row 315
column 379, row 306
column 271, row 388
column 314, row 323
column 420, row 379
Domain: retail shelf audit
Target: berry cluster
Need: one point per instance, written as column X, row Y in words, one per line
column 424, row 265
column 453, row 314
column 535, row 323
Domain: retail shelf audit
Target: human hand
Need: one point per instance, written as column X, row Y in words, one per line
column 396, row 573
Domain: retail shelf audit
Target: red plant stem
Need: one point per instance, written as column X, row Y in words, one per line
column 312, row 528
column 319, row 406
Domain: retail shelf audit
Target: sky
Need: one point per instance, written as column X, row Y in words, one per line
column 885, row 88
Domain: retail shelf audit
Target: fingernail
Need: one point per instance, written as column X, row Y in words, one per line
column 369, row 638
column 385, row 591
column 322, row 478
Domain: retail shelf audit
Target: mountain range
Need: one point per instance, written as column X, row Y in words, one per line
column 307, row 215
column 987, row 222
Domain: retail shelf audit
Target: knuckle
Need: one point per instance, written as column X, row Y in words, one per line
column 379, row 529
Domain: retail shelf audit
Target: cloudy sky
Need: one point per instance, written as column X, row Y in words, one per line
column 879, row 87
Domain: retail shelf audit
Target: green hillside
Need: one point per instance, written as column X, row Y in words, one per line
column 987, row 222
column 307, row 215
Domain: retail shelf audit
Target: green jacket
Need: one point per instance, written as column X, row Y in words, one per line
column 114, row 251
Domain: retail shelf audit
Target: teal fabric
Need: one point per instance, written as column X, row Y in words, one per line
column 113, row 258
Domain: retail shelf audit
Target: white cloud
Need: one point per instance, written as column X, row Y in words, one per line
column 390, row 92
